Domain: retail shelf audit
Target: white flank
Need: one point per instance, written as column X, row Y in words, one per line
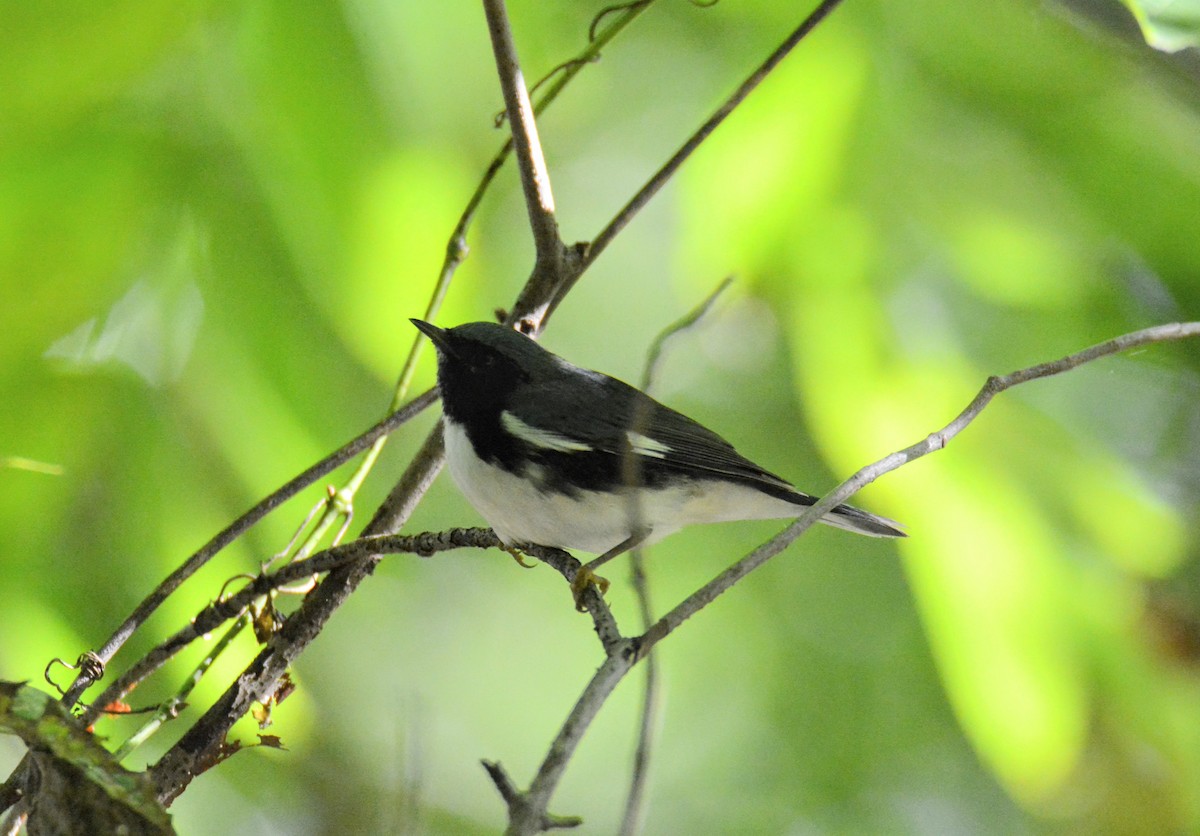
column 545, row 439
column 593, row 521
column 644, row 445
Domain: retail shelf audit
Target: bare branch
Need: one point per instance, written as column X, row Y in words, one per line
column 232, row 606
column 664, row 174
column 525, row 818
column 531, row 298
column 238, row 527
column 175, row 770
column 513, row 798
column 640, row 771
column 169, row 708
column 633, row 650
column 935, row 441
column 182, row 763
column 535, row 178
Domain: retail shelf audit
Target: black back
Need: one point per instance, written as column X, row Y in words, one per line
column 486, row 369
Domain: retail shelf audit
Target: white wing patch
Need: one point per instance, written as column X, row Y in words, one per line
column 542, row 439
column 644, row 445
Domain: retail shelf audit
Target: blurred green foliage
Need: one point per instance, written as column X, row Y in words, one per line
column 216, row 217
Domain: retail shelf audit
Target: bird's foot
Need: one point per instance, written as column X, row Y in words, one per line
column 518, row 556
column 584, row 578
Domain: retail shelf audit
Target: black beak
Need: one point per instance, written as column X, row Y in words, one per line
column 435, row 334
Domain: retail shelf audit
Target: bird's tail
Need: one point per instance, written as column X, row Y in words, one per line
column 843, row 516
column 863, row 522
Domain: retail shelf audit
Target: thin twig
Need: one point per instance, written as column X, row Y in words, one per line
column 605, row 679
column 933, row 442
column 532, row 297
column 664, row 174
column 553, row 270
column 176, row 768
column 636, row 7
column 181, row 763
column 238, row 527
column 170, row 708
column 640, row 771
column 524, row 819
column 172, row 772
column 232, row 606
column 654, row 354
column 513, row 798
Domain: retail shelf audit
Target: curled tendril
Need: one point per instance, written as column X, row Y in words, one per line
column 563, row 67
column 241, row 576
column 89, row 664
column 569, row 64
column 608, row 10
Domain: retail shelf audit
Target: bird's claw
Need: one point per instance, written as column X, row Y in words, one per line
column 519, row 556
column 584, row 578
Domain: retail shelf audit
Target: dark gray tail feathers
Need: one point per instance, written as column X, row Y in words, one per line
column 862, row 522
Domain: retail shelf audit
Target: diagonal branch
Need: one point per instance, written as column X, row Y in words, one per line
column 664, row 174
column 525, row 816
column 173, row 771
column 104, row 655
column 933, row 442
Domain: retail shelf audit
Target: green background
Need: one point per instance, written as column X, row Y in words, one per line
column 216, row 217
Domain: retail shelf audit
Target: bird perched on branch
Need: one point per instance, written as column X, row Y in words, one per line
column 556, row 455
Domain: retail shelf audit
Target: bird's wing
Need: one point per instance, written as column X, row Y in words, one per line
column 696, row 448
column 591, row 425
column 612, row 418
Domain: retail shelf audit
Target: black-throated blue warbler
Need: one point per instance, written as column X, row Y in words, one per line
column 552, row 454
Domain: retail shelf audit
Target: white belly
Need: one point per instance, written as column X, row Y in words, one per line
column 593, row 522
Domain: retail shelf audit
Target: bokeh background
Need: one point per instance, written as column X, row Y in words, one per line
column 216, row 217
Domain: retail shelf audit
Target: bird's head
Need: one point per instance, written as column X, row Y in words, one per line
column 481, row 363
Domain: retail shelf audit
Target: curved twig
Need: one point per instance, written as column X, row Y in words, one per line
column 536, row 800
column 640, row 769
column 238, row 527
column 664, row 174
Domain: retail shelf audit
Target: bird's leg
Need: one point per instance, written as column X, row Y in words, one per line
column 585, row 575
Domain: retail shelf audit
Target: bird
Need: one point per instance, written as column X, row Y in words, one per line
column 552, row 454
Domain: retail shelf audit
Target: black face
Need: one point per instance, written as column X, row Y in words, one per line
column 479, row 365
